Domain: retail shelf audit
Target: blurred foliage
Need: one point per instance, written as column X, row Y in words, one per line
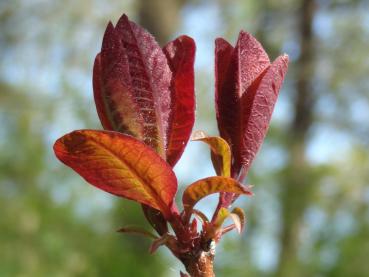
column 53, row 224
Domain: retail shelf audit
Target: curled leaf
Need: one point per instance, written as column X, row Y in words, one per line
column 121, row 165
column 201, row 188
column 220, row 152
column 239, row 219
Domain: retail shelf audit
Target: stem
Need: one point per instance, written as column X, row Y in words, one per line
column 200, row 266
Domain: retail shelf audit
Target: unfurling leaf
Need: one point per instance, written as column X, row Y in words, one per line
column 222, row 215
column 239, row 219
column 220, row 152
column 121, row 165
column 198, row 190
column 237, row 215
column 247, row 86
column 180, row 54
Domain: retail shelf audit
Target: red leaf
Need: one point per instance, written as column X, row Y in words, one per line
column 226, row 96
column 116, row 106
column 258, row 104
column 252, row 61
column 180, row 54
column 133, row 95
column 121, row 165
column 241, row 120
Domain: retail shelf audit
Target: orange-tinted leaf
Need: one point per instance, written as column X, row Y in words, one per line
column 198, row 190
column 121, row 165
column 220, row 152
column 180, row 54
column 137, row 231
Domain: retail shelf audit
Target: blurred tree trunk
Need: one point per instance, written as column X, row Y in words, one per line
column 160, row 17
column 296, row 191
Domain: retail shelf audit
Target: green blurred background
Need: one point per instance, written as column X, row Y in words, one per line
column 309, row 215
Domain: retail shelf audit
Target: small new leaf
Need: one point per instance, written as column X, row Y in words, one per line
column 239, row 219
column 204, row 187
column 220, row 152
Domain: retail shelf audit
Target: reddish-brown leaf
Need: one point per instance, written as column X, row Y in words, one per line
column 121, row 165
column 241, row 120
column 201, row 188
column 227, row 104
column 133, row 96
column 180, row 54
column 252, row 61
column 258, row 104
column 116, row 106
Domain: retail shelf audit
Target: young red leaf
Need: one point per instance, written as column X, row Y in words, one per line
column 226, row 97
column 113, row 93
column 258, row 104
column 121, row 165
column 201, row 188
column 220, row 152
column 131, row 84
column 243, row 106
column 180, row 54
